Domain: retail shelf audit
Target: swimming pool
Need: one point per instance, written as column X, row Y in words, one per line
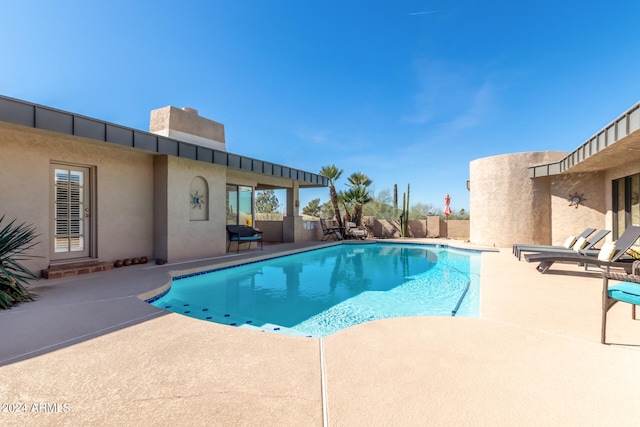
column 322, row 291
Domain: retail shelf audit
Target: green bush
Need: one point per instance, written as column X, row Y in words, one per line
column 15, row 241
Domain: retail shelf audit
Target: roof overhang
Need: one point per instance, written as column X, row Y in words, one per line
column 49, row 119
column 616, row 144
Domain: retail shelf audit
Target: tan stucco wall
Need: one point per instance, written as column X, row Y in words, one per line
column 160, row 207
column 538, row 210
column 457, row 229
column 568, row 220
column 507, row 206
column 124, row 185
column 24, row 189
column 125, row 203
column 271, row 230
column 433, row 226
column 187, row 125
column 310, row 231
column 188, row 239
column 142, row 200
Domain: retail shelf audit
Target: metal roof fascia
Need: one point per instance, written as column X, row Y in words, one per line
column 42, row 117
column 625, row 124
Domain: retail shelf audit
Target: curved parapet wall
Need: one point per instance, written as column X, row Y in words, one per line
column 506, row 205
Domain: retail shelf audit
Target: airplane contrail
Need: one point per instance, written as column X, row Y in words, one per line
column 425, row 12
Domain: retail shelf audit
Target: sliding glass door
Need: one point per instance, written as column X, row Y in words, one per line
column 239, row 205
column 626, row 203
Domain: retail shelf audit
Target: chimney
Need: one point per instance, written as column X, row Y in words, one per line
column 186, row 125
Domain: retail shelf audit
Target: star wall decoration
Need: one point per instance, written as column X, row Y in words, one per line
column 576, row 199
column 197, row 200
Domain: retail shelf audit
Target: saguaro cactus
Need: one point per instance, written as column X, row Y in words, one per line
column 402, row 215
column 395, row 201
column 405, row 212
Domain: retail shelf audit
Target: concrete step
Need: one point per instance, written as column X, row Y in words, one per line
column 56, row 271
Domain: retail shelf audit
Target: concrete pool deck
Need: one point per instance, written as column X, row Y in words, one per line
column 88, row 351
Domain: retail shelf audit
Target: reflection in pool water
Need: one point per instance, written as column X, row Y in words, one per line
column 322, row 291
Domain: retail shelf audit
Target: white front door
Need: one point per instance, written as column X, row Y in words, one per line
column 71, row 212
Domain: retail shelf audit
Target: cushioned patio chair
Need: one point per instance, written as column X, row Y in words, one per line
column 571, row 240
column 628, row 290
column 581, row 243
column 610, row 255
column 352, row 230
column 333, row 232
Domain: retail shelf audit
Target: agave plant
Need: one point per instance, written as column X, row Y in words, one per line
column 15, row 241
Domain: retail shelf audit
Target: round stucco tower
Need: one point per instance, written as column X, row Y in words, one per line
column 506, row 205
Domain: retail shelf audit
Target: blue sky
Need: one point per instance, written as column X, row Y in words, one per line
column 404, row 91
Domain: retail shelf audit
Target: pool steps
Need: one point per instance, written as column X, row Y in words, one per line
column 203, row 313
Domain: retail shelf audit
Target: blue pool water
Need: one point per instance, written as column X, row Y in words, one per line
column 319, row 292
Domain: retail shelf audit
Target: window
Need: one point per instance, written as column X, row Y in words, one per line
column 239, row 205
column 626, row 206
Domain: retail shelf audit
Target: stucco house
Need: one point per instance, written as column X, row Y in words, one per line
column 543, row 197
column 97, row 191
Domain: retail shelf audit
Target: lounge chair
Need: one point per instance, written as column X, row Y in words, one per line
column 354, row 231
column 521, row 247
column 332, row 232
column 611, row 254
column 627, row 291
column 582, row 243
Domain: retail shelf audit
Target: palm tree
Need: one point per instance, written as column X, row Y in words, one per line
column 14, row 241
column 359, row 196
column 332, row 173
column 347, row 204
column 359, row 179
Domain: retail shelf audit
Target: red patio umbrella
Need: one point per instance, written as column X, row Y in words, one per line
column 447, row 208
column 447, row 212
